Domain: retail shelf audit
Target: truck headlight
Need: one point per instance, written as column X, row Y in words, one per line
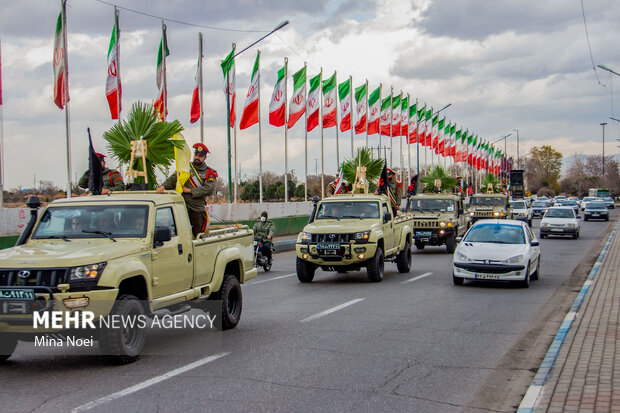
column 86, row 272
column 442, row 224
column 513, row 260
column 471, row 214
column 305, row 237
column 362, row 237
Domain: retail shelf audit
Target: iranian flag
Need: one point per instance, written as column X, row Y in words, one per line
column 61, row 91
column 459, row 146
column 344, row 94
column 471, row 141
column 361, row 93
column 386, row 116
column 160, row 103
column 453, row 141
column 396, row 102
column 413, row 123
column 374, row 111
column 432, row 131
column 330, row 107
column 277, row 106
column 314, row 100
column 194, row 108
column 249, row 116
column 113, row 90
column 404, row 117
column 438, row 134
column 447, row 138
column 428, row 138
column 228, row 69
column 422, row 126
column 297, row 105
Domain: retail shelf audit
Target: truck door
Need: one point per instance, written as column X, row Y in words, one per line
column 388, row 227
column 172, row 269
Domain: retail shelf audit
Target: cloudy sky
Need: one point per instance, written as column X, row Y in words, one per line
column 503, row 65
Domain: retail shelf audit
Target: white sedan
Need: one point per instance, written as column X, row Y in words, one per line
column 497, row 250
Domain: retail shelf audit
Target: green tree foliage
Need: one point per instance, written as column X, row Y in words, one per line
column 490, row 179
column 438, row 174
column 542, row 168
column 143, row 123
column 363, row 157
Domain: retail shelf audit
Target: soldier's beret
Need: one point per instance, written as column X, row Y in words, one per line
column 100, row 155
column 201, row 149
column 390, row 171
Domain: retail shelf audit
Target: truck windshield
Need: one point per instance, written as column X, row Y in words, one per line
column 487, row 201
column 348, row 210
column 117, row 221
column 439, row 205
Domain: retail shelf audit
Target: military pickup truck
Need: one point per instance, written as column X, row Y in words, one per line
column 484, row 206
column 129, row 253
column 437, row 219
column 348, row 232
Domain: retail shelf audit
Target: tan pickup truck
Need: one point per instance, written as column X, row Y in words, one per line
column 349, row 232
column 124, row 254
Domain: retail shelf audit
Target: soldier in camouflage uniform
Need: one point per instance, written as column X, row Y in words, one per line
column 395, row 190
column 331, row 187
column 201, row 183
column 112, row 180
column 264, row 229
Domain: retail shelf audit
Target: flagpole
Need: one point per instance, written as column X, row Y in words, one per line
column 391, row 120
column 426, row 133
column 234, row 45
column 66, row 97
column 163, row 55
column 417, row 140
column 1, row 135
column 117, row 34
column 379, row 129
column 200, row 97
column 337, row 125
column 306, row 133
column 260, row 141
column 285, row 131
column 408, row 143
column 322, row 143
column 230, row 194
column 351, row 115
column 367, row 93
column 402, row 166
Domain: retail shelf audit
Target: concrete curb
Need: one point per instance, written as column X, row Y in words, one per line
column 284, row 245
column 528, row 403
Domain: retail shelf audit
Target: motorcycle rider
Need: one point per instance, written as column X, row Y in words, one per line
column 264, row 230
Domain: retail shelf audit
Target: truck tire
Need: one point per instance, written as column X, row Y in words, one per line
column 419, row 245
column 232, row 301
column 451, row 243
column 403, row 260
column 305, row 271
column 8, row 342
column 123, row 346
column 376, row 267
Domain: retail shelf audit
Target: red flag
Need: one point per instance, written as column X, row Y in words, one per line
column 194, row 111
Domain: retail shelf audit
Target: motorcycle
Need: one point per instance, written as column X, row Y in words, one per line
column 260, row 259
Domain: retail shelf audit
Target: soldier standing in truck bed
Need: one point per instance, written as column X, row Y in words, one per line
column 112, row 180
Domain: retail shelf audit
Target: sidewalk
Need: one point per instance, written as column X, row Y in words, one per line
column 581, row 370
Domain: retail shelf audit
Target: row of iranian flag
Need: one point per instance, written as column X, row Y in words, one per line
column 395, row 115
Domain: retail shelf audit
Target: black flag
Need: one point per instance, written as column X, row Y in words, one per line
column 411, row 189
column 95, row 173
column 383, row 181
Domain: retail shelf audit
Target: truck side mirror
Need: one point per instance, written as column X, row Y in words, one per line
column 162, row 234
column 460, row 211
column 386, row 217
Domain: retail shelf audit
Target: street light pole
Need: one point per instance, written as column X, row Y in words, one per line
column 518, row 163
column 603, row 125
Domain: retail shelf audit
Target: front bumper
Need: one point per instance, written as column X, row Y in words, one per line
column 489, row 272
column 435, row 236
column 348, row 254
column 559, row 231
column 598, row 215
column 520, row 217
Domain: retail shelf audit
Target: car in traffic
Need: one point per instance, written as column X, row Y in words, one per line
column 596, row 210
column 572, row 204
column 559, row 221
column 521, row 211
column 585, row 200
column 609, row 202
column 497, row 250
column 539, row 208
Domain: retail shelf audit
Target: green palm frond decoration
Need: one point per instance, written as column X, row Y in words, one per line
column 438, row 181
column 490, row 179
column 143, row 123
column 363, row 157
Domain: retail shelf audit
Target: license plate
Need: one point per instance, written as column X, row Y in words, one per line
column 329, row 252
column 557, row 229
column 595, row 215
column 486, row 276
column 16, row 294
column 328, row 246
column 424, row 233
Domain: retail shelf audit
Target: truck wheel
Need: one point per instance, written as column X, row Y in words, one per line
column 123, row 345
column 457, row 280
column 8, row 342
column 419, row 245
column 376, row 266
column 451, row 243
column 403, row 260
column 232, row 301
column 305, row 271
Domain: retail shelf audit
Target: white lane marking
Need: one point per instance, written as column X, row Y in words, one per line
column 147, row 383
column 271, row 279
column 426, row 274
column 331, row 310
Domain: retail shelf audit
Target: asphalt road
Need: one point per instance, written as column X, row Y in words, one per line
column 414, row 342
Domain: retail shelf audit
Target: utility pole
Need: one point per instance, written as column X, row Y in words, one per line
column 603, row 125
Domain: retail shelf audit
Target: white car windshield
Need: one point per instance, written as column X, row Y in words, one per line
column 117, row 221
column 496, row 233
column 348, row 210
column 539, row 204
column 560, row 213
column 518, row 205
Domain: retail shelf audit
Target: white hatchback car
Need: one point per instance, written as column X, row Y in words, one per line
column 521, row 211
column 559, row 221
column 497, row 250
